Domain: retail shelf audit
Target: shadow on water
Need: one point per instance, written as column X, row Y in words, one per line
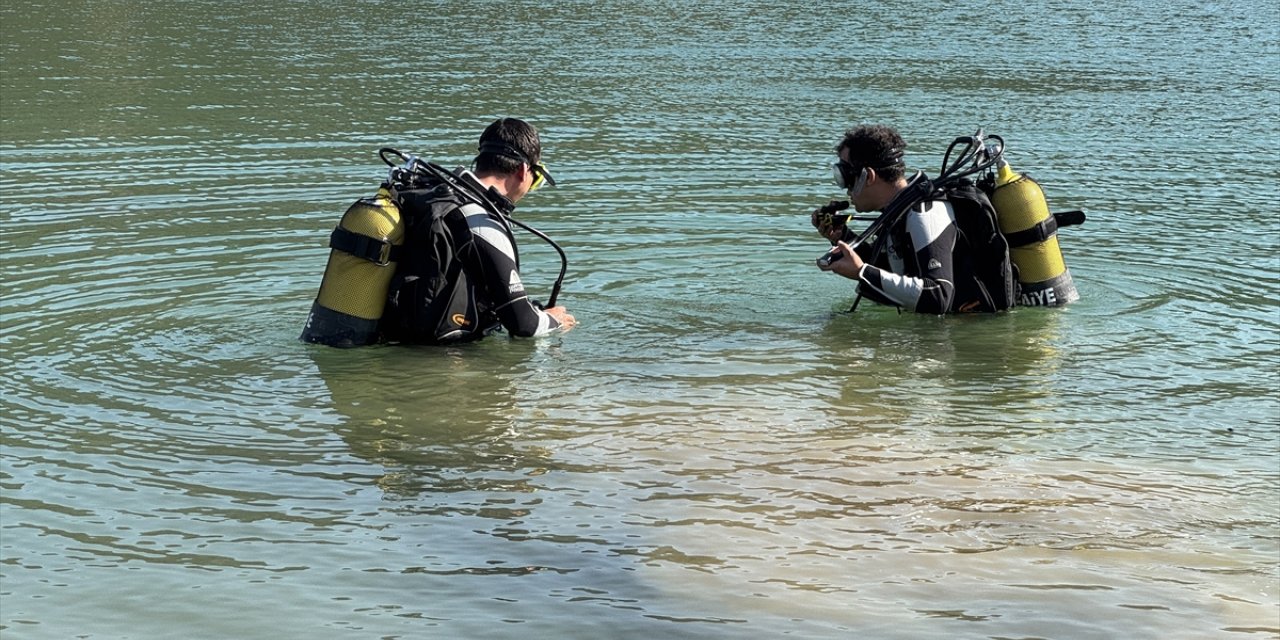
column 476, row 482
column 436, row 418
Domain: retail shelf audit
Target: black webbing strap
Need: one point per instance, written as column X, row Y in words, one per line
column 1069, row 218
column 378, row 251
column 1044, row 229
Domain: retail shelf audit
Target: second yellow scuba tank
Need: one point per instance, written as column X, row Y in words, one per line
column 1025, row 221
column 361, row 263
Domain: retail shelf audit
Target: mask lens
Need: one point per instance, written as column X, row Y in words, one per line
column 540, row 176
column 844, row 174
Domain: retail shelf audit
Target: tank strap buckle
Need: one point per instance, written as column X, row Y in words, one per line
column 384, row 254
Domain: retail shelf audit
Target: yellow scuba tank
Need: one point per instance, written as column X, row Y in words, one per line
column 353, row 293
column 1025, row 221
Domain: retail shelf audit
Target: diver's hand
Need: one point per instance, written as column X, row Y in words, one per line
column 562, row 316
column 823, row 221
column 847, row 263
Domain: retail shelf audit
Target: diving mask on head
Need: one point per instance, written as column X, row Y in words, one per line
column 853, row 177
column 540, row 173
column 849, row 178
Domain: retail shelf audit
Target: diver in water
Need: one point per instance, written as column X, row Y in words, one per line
column 921, row 265
column 507, row 167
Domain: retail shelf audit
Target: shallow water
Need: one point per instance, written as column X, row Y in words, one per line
column 718, row 450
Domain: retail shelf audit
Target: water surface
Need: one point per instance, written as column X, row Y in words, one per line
column 718, row 451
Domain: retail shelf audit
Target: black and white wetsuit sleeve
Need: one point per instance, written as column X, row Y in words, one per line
column 929, row 285
column 500, row 276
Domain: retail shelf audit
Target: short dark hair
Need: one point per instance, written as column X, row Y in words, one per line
column 876, row 146
column 506, row 144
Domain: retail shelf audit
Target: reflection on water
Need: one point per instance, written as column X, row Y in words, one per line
column 717, row 450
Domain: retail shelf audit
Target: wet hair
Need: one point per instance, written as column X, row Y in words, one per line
column 505, row 145
column 876, row 146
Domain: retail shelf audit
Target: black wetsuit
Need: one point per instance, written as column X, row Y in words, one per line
column 492, row 263
column 923, row 261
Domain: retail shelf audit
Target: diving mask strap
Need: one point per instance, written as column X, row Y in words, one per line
column 504, row 149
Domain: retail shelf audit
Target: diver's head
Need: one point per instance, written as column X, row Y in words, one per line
column 870, row 166
column 509, row 157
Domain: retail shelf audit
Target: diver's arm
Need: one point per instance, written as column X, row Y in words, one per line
column 933, row 238
column 501, row 278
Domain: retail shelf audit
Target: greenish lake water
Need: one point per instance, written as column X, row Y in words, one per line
column 717, row 451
